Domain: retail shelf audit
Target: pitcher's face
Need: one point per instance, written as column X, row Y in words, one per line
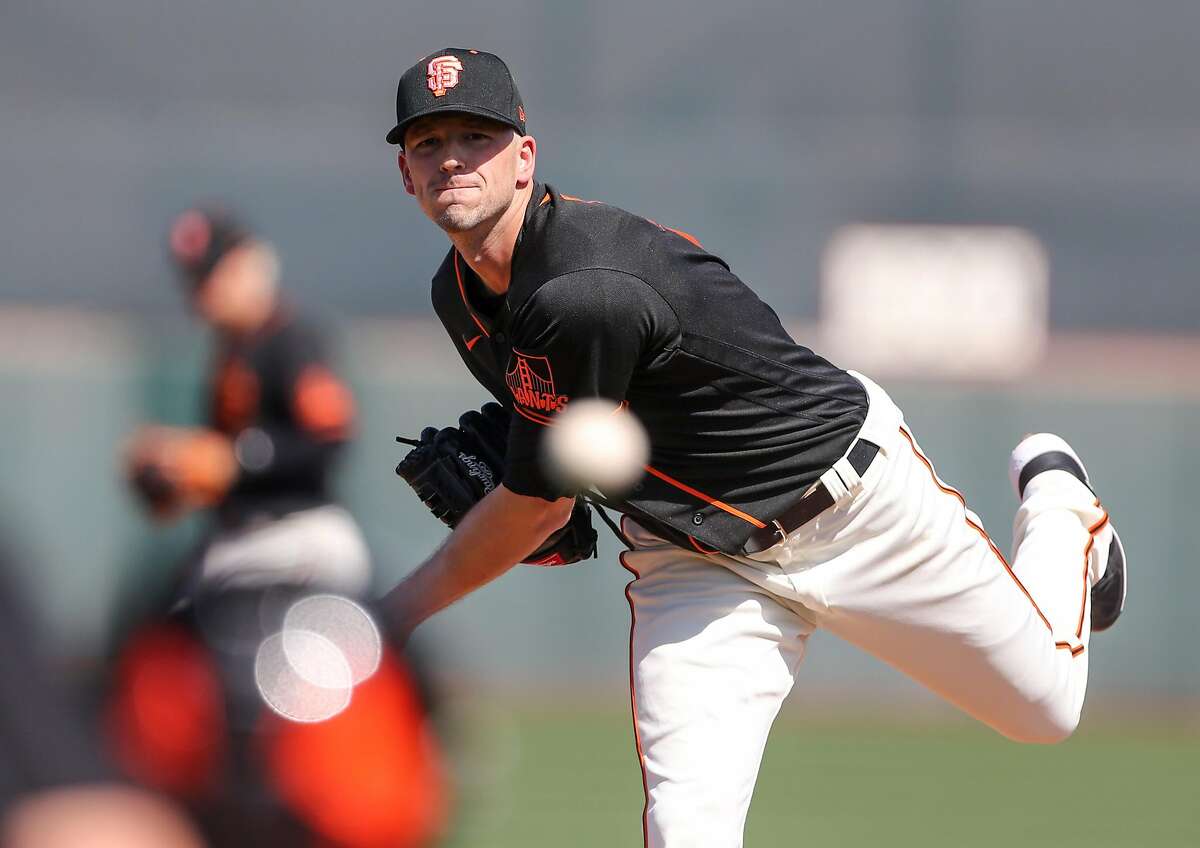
column 464, row 170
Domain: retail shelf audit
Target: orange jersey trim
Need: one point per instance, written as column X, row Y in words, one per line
column 323, row 404
column 637, row 733
column 679, row 233
column 463, row 293
column 687, row 236
column 1092, row 531
column 948, row 490
column 545, row 421
column 721, row 505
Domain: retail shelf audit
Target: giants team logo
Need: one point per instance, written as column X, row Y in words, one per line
column 532, row 383
column 444, row 72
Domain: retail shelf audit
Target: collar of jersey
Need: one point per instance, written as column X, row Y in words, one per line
column 541, row 199
column 521, row 285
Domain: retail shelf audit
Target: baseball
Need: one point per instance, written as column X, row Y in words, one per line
column 595, row 444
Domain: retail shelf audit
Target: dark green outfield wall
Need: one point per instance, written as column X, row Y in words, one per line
column 67, row 400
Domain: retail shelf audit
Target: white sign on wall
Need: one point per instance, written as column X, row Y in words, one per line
column 961, row 302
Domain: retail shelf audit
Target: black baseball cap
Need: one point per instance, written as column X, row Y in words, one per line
column 200, row 238
column 458, row 80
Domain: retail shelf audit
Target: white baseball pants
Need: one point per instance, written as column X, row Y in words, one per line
column 320, row 547
column 898, row 566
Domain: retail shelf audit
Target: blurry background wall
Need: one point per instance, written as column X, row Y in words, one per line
column 761, row 127
column 75, row 383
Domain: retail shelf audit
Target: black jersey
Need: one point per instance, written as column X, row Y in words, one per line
column 604, row 303
column 276, row 396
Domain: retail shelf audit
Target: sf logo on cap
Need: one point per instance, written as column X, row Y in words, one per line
column 443, row 74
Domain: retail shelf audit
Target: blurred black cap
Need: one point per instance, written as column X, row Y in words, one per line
column 457, row 80
column 199, row 238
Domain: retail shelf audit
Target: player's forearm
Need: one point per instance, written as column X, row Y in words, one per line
column 500, row 531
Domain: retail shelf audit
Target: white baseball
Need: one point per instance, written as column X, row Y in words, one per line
column 597, row 444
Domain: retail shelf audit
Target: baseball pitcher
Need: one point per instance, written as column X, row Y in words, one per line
column 783, row 494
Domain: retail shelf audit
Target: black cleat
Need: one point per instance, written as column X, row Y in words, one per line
column 1042, row 452
column 1108, row 594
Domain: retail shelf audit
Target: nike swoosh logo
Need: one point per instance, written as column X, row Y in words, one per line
column 472, row 342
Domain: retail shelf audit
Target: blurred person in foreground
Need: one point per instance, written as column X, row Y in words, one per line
column 232, row 705
column 278, row 416
column 58, row 788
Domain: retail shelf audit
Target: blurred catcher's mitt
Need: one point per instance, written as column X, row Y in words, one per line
column 453, row 468
column 154, row 490
column 172, row 469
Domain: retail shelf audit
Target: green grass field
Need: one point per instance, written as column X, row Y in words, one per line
column 546, row 777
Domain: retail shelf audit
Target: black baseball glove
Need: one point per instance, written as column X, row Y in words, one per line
column 453, row 468
column 154, row 489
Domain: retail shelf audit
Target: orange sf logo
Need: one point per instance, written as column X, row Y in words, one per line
column 531, row 382
column 443, row 74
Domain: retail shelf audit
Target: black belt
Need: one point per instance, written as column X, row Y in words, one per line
column 811, row 505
